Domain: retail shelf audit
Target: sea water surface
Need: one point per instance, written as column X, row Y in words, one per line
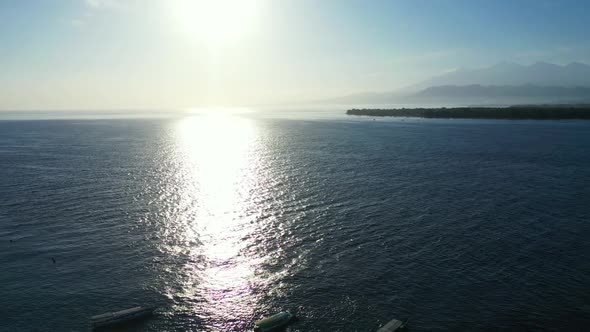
column 222, row 219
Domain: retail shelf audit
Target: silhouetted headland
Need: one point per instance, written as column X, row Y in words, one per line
column 524, row 112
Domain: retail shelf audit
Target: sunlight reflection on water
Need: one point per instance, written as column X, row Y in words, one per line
column 217, row 158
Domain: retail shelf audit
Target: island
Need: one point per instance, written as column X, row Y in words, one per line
column 521, row 112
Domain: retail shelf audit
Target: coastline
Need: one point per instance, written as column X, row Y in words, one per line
column 532, row 112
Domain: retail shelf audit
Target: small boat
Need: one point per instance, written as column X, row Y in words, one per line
column 111, row 318
column 273, row 322
column 394, row 325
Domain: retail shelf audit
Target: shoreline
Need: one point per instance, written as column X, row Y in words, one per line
column 531, row 112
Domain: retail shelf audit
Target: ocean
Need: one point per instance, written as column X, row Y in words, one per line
column 221, row 219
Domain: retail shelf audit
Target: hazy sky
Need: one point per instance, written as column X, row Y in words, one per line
column 95, row 54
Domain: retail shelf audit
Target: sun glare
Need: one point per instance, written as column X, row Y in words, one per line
column 219, row 162
column 215, row 21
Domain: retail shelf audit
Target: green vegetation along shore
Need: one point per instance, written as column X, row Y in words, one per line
column 541, row 112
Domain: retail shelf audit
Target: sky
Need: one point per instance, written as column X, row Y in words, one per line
column 164, row 54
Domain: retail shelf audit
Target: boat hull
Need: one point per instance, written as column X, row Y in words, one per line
column 117, row 317
column 273, row 322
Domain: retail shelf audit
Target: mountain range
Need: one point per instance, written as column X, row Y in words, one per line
column 508, row 73
column 503, row 83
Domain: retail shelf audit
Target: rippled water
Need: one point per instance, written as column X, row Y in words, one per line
column 220, row 220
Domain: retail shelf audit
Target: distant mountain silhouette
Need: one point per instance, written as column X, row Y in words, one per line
column 474, row 94
column 527, row 90
column 500, row 94
column 507, row 73
column 505, row 83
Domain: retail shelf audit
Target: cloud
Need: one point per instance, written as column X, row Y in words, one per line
column 90, row 9
column 93, row 3
column 448, row 70
column 103, row 4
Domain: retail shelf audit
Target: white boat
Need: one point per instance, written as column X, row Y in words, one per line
column 273, row 322
column 122, row 316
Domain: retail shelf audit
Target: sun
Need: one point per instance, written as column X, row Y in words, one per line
column 215, row 22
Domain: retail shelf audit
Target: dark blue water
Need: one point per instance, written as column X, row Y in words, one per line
column 220, row 220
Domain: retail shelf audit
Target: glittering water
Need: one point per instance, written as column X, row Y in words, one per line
column 456, row 225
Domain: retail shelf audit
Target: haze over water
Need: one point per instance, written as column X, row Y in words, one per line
column 196, row 155
column 222, row 219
